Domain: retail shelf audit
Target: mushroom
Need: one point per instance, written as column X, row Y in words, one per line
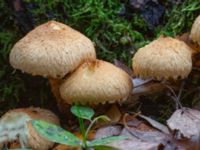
column 96, row 82
column 165, row 58
column 52, row 50
column 15, row 126
column 195, row 31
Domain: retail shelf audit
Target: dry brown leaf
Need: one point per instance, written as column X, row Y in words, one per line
column 114, row 114
column 156, row 124
column 141, row 130
column 130, row 121
column 186, row 123
column 147, row 136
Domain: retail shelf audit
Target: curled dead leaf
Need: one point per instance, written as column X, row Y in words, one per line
column 186, row 123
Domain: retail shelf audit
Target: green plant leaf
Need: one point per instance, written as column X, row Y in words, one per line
column 55, row 133
column 106, row 140
column 105, row 147
column 82, row 112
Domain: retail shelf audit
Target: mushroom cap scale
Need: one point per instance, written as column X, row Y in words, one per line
column 163, row 58
column 195, row 31
column 52, row 49
column 96, row 82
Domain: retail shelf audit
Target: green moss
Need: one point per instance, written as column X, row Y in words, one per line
column 180, row 18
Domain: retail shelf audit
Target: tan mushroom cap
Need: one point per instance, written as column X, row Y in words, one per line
column 163, row 58
column 96, row 82
column 195, row 31
column 52, row 49
column 17, row 125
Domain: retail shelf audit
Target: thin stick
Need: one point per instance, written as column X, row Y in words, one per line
column 175, row 97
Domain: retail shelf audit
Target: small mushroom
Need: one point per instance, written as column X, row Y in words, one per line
column 165, row 58
column 15, row 127
column 195, row 31
column 52, row 50
column 96, row 82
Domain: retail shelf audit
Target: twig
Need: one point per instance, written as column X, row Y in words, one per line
column 174, row 95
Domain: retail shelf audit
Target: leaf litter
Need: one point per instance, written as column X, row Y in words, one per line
column 182, row 131
column 147, row 134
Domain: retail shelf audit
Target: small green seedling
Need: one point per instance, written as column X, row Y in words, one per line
column 58, row 135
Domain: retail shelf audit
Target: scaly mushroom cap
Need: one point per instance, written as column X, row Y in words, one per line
column 96, row 82
column 195, row 32
column 15, row 126
column 163, row 58
column 52, row 49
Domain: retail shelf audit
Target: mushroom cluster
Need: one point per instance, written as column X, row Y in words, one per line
column 68, row 58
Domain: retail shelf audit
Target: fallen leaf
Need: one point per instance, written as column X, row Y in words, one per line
column 158, row 139
column 186, row 123
column 114, row 114
column 147, row 136
column 108, row 131
column 156, row 124
column 141, row 130
column 134, row 144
